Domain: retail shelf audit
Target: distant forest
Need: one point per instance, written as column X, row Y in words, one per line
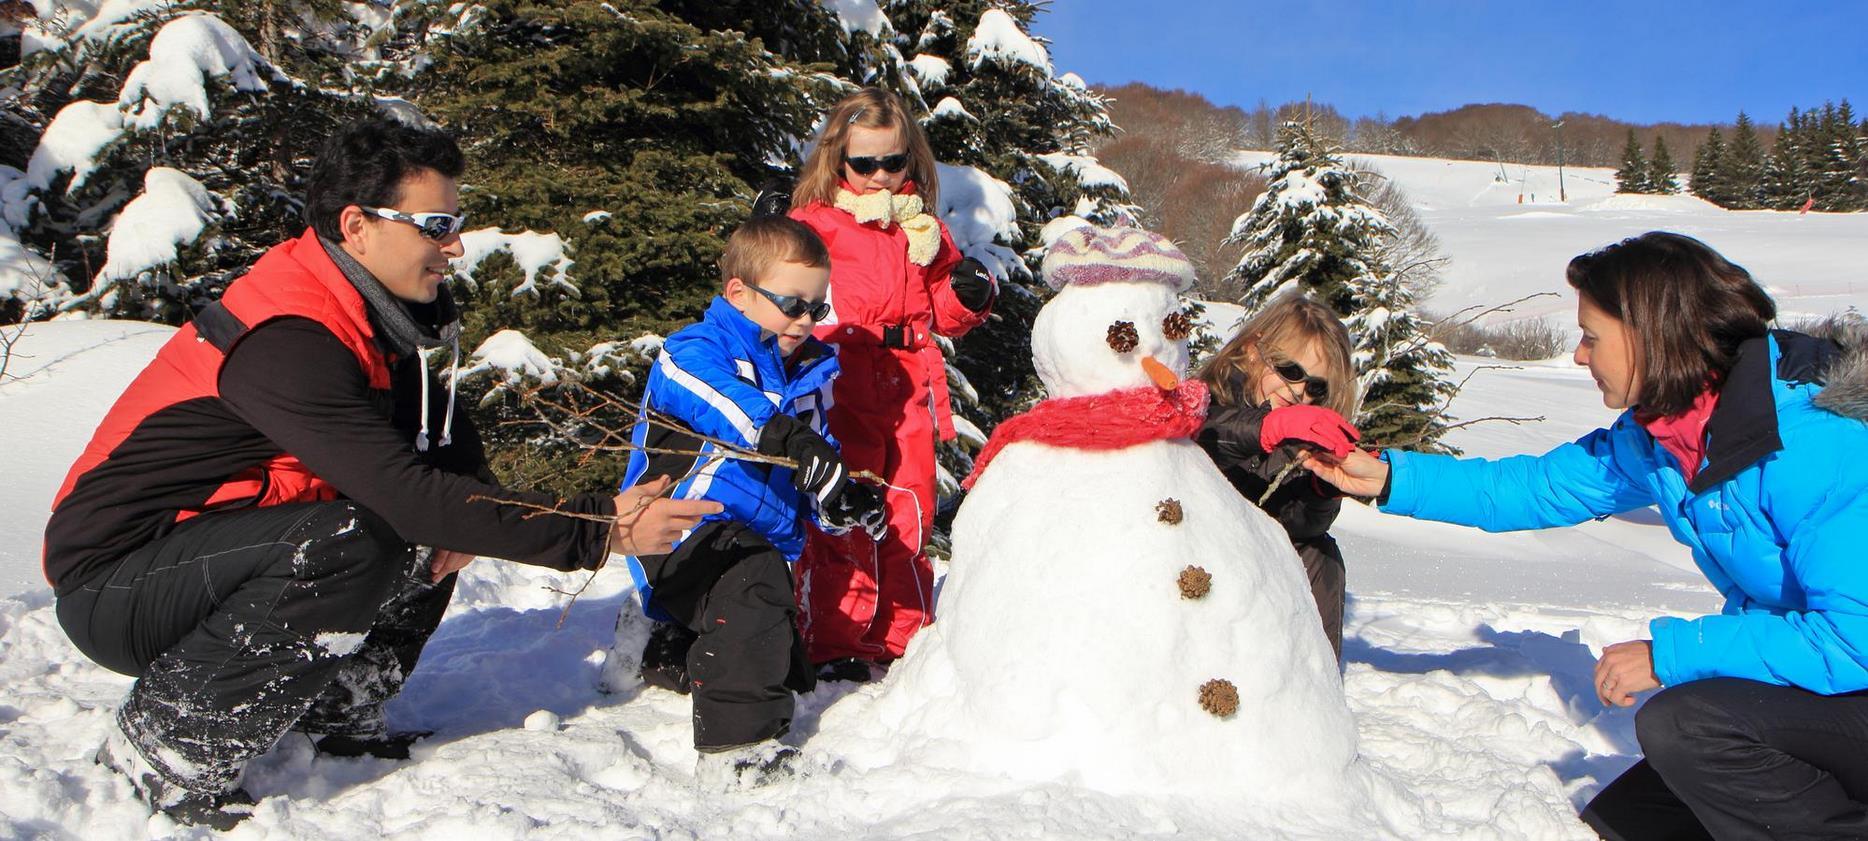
column 1487, row 132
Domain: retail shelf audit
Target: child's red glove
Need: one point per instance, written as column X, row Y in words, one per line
column 1311, row 425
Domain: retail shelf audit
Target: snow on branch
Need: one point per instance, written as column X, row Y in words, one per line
column 978, row 210
column 998, row 39
column 185, row 55
column 859, row 16
column 171, row 212
column 1090, row 172
column 532, row 251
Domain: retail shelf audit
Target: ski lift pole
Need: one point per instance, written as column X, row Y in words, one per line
column 1562, row 195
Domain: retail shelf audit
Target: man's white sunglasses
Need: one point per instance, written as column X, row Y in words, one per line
column 435, row 226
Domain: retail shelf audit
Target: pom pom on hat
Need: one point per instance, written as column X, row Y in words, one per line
column 1090, row 255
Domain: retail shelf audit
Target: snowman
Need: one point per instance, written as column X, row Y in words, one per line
column 1115, row 615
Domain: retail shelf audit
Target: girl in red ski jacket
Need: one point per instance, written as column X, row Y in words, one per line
column 870, row 191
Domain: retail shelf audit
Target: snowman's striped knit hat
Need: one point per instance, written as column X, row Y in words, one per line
column 1091, row 255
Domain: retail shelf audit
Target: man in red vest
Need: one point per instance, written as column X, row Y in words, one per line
column 265, row 528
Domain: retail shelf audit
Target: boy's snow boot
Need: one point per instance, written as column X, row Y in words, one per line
column 746, row 766
column 220, row 811
column 665, row 657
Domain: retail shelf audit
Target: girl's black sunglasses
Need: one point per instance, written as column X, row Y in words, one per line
column 868, row 165
column 1316, row 388
column 793, row 306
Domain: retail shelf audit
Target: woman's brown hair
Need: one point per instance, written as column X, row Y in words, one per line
column 1287, row 322
column 1687, row 308
column 869, row 108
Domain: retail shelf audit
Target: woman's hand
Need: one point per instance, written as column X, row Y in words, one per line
column 1625, row 669
column 446, row 562
column 1357, row 474
column 649, row 524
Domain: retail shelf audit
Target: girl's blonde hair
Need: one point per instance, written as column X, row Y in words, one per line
column 1286, row 323
column 869, row 108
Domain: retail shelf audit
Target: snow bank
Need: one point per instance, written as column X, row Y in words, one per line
column 998, row 39
column 172, row 211
column 532, row 251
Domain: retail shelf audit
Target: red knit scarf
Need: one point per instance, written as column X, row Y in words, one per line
column 1109, row 421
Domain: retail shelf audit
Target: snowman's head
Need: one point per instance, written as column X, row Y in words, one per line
column 1118, row 306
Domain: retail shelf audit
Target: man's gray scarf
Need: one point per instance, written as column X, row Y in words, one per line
column 397, row 328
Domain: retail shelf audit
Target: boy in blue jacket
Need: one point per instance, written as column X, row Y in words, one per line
column 751, row 375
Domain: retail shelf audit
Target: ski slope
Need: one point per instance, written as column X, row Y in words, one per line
column 1501, row 248
column 1469, row 655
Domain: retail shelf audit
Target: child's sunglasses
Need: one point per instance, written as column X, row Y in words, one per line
column 435, row 226
column 1316, row 388
column 868, row 165
column 793, row 306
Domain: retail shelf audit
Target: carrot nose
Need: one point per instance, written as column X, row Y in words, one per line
column 1165, row 379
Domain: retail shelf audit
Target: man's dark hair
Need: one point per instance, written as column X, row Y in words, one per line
column 1687, row 306
column 366, row 163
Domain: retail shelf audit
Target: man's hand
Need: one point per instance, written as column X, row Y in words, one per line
column 446, row 562
column 1356, row 474
column 647, row 524
column 1625, row 669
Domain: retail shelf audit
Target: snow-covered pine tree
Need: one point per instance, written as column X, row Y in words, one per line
column 1314, row 227
column 1708, row 176
column 1635, row 172
column 616, row 145
column 1663, row 176
column 1835, row 153
column 174, row 152
column 1744, row 167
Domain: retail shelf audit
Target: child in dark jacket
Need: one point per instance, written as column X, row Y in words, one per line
column 749, row 374
column 1286, row 378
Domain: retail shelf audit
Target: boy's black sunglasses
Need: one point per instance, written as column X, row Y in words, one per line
column 1316, row 388
column 868, row 165
column 795, row 305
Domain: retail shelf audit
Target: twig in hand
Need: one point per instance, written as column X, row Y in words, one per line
column 1278, row 480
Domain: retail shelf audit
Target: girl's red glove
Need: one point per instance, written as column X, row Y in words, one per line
column 1313, row 426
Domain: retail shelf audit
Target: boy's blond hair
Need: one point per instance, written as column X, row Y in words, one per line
column 765, row 241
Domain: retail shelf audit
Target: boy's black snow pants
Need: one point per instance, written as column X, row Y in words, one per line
column 729, row 585
column 238, row 623
column 1731, row 759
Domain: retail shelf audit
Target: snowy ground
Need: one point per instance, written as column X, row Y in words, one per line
column 1469, row 654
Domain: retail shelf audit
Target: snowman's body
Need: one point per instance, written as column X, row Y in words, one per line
column 1065, row 646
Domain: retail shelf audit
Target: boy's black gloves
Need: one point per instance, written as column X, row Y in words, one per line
column 859, row 506
column 820, row 470
column 774, row 199
column 972, row 285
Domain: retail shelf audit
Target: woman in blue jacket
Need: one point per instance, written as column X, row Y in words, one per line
column 1749, row 441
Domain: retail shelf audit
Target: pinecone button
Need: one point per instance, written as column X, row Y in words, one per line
column 1195, row 582
column 1219, row 697
column 1169, row 511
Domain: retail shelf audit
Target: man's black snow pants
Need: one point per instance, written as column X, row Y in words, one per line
column 239, row 625
column 729, row 585
column 1733, row 759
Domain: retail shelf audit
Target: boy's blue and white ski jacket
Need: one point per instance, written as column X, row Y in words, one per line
column 719, row 378
column 1777, row 516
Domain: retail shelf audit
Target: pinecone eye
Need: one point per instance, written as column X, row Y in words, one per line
column 1123, row 336
column 1177, row 326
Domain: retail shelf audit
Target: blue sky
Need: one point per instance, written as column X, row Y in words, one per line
column 1645, row 62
